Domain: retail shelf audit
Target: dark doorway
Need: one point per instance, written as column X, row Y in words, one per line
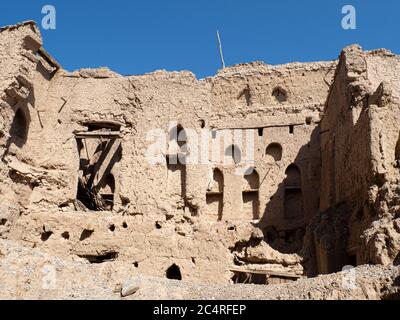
column 174, row 272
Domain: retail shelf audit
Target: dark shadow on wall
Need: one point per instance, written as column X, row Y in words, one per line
column 250, row 195
column 396, row 261
column 215, row 192
column 181, row 169
column 20, row 127
column 395, row 294
column 287, row 213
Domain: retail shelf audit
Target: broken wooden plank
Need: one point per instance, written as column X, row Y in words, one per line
column 103, row 123
column 268, row 272
column 103, row 134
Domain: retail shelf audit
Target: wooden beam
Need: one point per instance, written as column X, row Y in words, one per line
column 267, row 272
column 94, row 134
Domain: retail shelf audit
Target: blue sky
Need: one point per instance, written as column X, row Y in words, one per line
column 135, row 37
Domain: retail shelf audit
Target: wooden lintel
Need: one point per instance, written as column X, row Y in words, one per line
column 94, row 135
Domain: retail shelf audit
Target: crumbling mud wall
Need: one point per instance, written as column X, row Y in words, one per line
column 359, row 167
column 20, row 58
column 203, row 180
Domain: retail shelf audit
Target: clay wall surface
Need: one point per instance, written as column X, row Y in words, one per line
column 358, row 160
column 315, row 185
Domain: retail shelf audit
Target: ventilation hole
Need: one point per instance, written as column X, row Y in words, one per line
column 245, row 95
column 202, row 123
column 174, row 273
column 109, row 256
column 86, row 234
column 158, row 225
column 214, row 134
column 3, row 222
column 136, row 264
column 124, row 225
column 260, row 132
column 280, row 94
column 65, row 235
column 112, row 228
column 309, row 120
column 291, row 129
column 125, row 201
column 46, row 235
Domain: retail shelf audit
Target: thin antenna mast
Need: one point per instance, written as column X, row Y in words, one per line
column 220, row 50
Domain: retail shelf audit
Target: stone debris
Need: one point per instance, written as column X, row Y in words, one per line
column 131, row 286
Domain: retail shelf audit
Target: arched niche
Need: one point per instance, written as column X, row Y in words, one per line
column 250, row 194
column 233, row 153
column 215, row 196
column 178, row 135
column 279, row 94
column 293, row 177
column 174, row 273
column 274, row 152
column 293, row 194
column 20, row 127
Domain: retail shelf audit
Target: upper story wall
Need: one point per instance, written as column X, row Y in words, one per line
column 19, row 58
column 281, row 103
column 256, row 95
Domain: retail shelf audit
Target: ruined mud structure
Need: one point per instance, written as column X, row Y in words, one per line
column 323, row 191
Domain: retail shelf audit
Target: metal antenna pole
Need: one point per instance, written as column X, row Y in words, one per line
column 220, row 50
